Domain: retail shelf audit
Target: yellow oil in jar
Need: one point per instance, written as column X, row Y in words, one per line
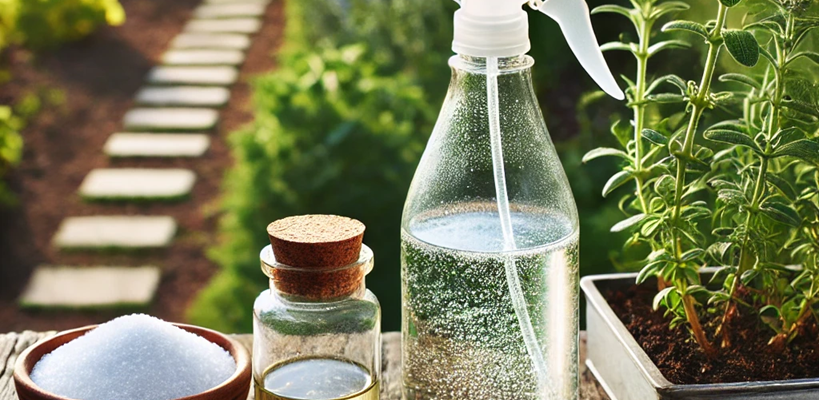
column 317, row 379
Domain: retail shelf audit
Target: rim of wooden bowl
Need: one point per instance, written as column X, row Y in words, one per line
column 236, row 387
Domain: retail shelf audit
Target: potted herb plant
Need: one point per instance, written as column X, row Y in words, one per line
column 721, row 171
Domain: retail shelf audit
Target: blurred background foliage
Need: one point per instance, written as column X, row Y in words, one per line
column 37, row 25
column 339, row 128
column 341, row 123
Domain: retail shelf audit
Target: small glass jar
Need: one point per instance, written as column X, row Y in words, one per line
column 317, row 332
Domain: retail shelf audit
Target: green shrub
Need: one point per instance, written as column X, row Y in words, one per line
column 45, row 23
column 11, row 148
column 339, row 129
column 403, row 36
column 40, row 24
column 8, row 18
column 331, row 135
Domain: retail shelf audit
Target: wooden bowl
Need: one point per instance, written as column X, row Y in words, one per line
column 235, row 388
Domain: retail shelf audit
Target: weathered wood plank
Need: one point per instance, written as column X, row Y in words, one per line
column 12, row 344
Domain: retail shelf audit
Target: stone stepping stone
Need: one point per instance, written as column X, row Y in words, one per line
column 229, row 25
column 195, row 96
column 230, row 10
column 137, row 184
column 156, row 145
column 203, row 57
column 115, row 232
column 171, row 119
column 211, row 41
column 216, row 75
column 90, row 287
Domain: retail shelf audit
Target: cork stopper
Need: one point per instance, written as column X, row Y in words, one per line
column 316, row 241
column 310, row 244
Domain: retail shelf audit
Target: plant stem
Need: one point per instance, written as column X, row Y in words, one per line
column 746, row 260
column 698, row 104
column 640, row 109
column 694, row 320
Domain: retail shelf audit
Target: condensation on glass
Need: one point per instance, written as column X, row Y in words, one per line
column 324, row 345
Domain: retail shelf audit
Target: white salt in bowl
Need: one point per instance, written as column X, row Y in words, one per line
column 234, row 388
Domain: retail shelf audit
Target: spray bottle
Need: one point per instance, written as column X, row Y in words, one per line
column 489, row 233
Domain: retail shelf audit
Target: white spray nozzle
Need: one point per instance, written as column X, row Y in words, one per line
column 575, row 21
column 500, row 28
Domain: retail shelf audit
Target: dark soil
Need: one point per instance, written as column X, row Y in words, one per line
column 99, row 77
column 681, row 361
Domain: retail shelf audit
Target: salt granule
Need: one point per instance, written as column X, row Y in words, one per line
column 135, row 357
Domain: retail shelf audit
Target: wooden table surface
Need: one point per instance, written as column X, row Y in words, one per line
column 12, row 344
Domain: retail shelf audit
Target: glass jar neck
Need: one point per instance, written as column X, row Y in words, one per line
column 357, row 294
column 317, row 283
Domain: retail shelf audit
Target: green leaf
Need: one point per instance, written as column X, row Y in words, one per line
column 805, row 149
column 696, row 290
column 616, row 181
column 622, row 131
column 668, row 7
column 604, row 152
column 740, row 78
column 731, row 125
column 614, row 9
column 649, row 270
column 810, row 55
column 660, row 297
column 787, row 135
column 691, row 213
column 732, row 137
column 689, row 26
column 648, row 228
column 742, row 45
column 617, row 46
column 664, row 98
column 692, row 254
column 731, row 196
column 672, row 79
column 729, row 3
column 769, row 311
column 722, row 273
column 692, row 275
column 655, row 137
column 667, row 44
column 627, row 223
column 783, row 185
column 780, row 212
column 766, row 24
column 748, row 276
column 771, row 316
column 802, row 107
column 768, row 56
column 802, row 34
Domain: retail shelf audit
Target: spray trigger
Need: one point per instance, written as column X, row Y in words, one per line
column 574, row 19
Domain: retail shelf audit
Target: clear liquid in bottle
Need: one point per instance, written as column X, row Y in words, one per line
column 461, row 338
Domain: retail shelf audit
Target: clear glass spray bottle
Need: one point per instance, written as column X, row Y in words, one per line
column 490, row 227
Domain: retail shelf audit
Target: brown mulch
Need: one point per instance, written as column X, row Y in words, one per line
column 99, row 77
column 680, row 359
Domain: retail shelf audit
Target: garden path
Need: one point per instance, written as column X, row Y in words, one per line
column 174, row 117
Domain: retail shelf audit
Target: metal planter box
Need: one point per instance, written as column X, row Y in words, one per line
column 627, row 373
